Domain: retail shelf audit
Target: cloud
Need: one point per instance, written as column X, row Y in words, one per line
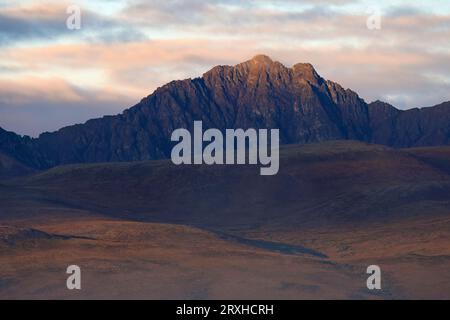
column 137, row 68
column 32, row 105
column 33, row 22
column 47, row 22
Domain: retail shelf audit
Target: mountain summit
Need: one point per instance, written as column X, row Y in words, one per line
column 258, row 93
column 262, row 58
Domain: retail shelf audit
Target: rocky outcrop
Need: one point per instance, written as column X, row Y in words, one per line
column 410, row 128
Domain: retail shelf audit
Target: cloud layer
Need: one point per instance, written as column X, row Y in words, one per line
column 51, row 76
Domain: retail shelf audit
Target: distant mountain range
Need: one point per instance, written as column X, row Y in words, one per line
column 259, row 93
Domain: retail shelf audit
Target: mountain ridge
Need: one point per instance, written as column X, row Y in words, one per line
column 258, row 93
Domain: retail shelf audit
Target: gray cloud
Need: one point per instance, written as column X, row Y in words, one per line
column 30, row 112
column 13, row 29
column 24, row 25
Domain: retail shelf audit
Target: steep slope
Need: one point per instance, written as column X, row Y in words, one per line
column 410, row 128
column 259, row 93
column 22, row 149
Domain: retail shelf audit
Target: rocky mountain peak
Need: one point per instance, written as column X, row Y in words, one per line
column 262, row 59
column 306, row 71
column 260, row 63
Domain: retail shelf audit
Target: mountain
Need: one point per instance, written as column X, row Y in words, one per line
column 259, row 93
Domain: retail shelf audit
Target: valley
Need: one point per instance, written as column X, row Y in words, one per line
column 153, row 230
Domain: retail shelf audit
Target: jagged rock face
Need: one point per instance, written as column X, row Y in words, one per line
column 21, row 149
column 415, row 127
column 258, row 93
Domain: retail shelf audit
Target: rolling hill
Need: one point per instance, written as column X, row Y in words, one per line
column 155, row 230
column 325, row 183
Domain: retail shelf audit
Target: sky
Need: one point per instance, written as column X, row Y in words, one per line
column 53, row 76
